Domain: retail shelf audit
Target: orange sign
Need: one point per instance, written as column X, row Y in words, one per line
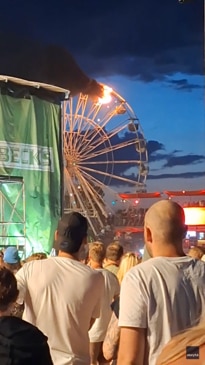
column 194, row 216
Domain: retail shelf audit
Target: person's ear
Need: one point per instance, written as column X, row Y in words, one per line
column 85, row 241
column 56, row 235
column 148, row 234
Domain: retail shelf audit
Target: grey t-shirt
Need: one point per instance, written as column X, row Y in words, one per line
column 165, row 295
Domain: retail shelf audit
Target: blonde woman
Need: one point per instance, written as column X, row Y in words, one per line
column 127, row 262
column 196, row 252
column 111, row 342
column 180, row 349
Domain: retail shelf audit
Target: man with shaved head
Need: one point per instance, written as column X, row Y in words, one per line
column 165, row 294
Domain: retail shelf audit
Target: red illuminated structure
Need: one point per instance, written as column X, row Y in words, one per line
column 194, row 214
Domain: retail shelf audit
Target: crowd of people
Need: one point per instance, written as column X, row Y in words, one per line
column 97, row 305
column 133, row 216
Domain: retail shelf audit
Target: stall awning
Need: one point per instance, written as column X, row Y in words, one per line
column 140, row 195
column 185, row 193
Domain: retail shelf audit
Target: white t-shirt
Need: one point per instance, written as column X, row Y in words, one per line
column 61, row 296
column 164, row 295
column 112, row 289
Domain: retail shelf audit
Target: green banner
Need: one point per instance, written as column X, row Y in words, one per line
column 30, row 148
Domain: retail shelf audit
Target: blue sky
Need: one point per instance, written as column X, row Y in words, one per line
column 174, row 118
column 151, row 53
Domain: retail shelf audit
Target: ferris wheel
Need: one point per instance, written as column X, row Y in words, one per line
column 104, row 149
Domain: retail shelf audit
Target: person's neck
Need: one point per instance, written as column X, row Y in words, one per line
column 5, row 313
column 73, row 256
column 95, row 265
column 168, row 251
column 111, row 262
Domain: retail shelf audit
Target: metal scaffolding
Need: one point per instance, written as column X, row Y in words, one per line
column 12, row 213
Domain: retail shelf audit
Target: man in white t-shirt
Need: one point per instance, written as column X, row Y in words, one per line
column 98, row 331
column 163, row 295
column 62, row 296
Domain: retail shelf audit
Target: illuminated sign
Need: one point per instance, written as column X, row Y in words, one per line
column 194, row 216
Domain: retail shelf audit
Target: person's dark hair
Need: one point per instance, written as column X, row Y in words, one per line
column 8, row 288
column 72, row 229
column 13, row 267
column 114, row 252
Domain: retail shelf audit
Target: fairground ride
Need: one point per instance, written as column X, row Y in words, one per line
column 104, row 147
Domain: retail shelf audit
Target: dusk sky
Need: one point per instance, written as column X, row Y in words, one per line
column 151, row 53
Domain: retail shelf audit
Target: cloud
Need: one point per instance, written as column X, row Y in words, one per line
column 154, row 146
column 184, row 160
column 183, row 84
column 51, row 64
column 184, row 175
column 138, row 39
column 156, row 153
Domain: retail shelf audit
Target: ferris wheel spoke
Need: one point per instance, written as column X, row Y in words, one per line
column 102, row 141
column 101, row 125
column 68, row 123
column 77, row 140
column 99, row 139
column 135, row 162
column 109, row 149
column 76, row 194
column 81, row 104
column 92, row 179
column 81, row 132
column 91, row 114
column 82, row 207
column 114, row 177
column 77, row 119
column 82, row 122
column 92, row 133
column 91, row 194
column 94, row 110
column 67, row 141
column 106, row 118
column 97, row 142
column 97, row 182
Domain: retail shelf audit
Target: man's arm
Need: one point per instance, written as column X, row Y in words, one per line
column 99, row 293
column 132, row 346
column 111, row 341
column 92, row 321
column 22, row 287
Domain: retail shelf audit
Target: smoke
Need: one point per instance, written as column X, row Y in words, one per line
column 49, row 64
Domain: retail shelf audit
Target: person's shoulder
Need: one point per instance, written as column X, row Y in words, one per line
column 34, row 263
column 198, row 267
column 108, row 273
column 144, row 270
column 143, row 266
column 14, row 326
column 110, row 276
column 88, row 271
